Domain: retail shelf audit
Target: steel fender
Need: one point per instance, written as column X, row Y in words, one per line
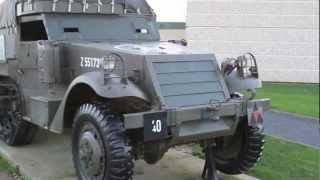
column 237, row 84
column 110, row 88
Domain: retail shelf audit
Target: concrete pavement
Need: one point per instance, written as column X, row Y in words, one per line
column 49, row 158
column 4, row 176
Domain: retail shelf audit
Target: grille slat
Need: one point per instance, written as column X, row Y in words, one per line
column 187, row 77
column 185, row 72
column 190, row 88
column 183, row 66
column 194, row 99
column 189, row 83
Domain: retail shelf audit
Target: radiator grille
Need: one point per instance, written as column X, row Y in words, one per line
column 189, row 83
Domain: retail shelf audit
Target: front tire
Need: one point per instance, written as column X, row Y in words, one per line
column 239, row 153
column 100, row 146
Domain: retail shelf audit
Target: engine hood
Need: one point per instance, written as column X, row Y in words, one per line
column 87, row 56
column 170, row 74
column 145, row 48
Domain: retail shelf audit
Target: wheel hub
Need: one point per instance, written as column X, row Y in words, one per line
column 90, row 154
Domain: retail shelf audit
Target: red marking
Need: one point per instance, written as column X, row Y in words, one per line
column 257, row 116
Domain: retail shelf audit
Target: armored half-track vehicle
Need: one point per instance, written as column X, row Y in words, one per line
column 98, row 67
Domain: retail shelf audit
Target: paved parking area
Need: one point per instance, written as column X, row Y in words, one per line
column 49, row 158
column 298, row 129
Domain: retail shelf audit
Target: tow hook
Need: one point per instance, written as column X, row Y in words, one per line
column 214, row 105
column 210, row 112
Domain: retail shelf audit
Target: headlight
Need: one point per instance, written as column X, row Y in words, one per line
column 247, row 66
column 110, row 63
column 115, row 62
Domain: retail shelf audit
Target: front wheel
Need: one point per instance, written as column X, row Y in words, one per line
column 100, row 146
column 239, row 153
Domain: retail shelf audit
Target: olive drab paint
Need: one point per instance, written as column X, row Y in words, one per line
column 62, row 54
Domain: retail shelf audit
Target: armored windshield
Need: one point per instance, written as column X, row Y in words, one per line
column 132, row 6
column 7, row 13
column 9, row 9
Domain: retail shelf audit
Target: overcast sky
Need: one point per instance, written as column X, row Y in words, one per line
column 168, row 10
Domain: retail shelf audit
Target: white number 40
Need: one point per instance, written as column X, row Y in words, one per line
column 156, row 126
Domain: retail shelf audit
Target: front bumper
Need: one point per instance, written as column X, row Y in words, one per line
column 198, row 123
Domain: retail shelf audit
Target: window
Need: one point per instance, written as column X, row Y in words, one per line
column 2, row 49
column 33, row 31
column 71, row 30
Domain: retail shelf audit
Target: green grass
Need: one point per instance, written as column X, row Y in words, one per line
column 302, row 99
column 4, row 165
column 283, row 160
column 12, row 171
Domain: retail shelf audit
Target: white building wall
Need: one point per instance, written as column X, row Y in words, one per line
column 172, row 34
column 283, row 34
